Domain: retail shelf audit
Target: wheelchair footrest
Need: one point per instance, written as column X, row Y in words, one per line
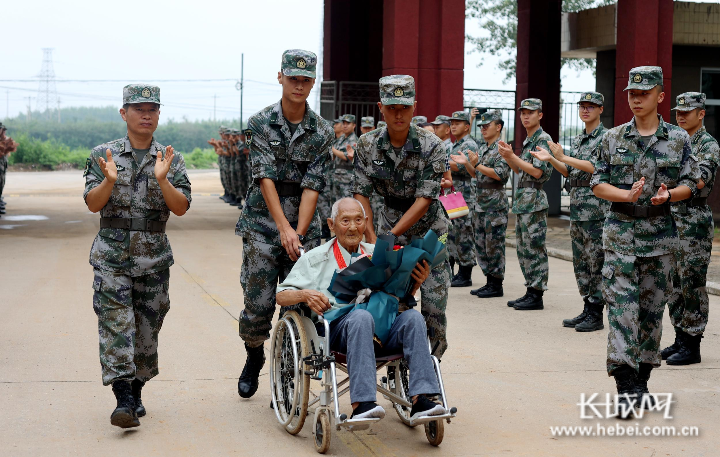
column 426, row 419
column 357, row 424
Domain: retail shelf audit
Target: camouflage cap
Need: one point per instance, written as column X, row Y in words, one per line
column 460, row 116
column 140, row 93
column 645, row 78
column 337, row 121
column 418, row 120
column 397, row 90
column 533, row 104
column 595, row 98
column 296, row 62
column 441, row 119
column 381, row 124
column 690, row 101
column 348, row 118
column 367, row 121
column 489, row 116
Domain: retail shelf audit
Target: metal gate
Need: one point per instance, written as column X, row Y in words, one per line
column 349, row 97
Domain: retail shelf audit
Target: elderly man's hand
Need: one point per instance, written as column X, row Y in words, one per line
column 317, row 301
column 420, row 274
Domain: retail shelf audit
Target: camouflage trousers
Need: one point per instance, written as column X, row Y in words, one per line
column 222, row 165
column 530, row 232
column 3, row 173
column 490, row 231
column 342, row 183
column 634, row 289
column 130, row 313
column 264, row 267
column 588, row 258
column 461, row 237
column 688, row 304
column 234, row 176
column 243, row 175
column 377, row 203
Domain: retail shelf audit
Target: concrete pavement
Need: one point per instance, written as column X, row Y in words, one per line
column 511, row 374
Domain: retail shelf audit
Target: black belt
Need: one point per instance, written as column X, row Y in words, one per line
column 641, row 211
column 132, row 223
column 579, row 182
column 288, row 189
column 490, row 185
column 399, row 204
column 458, row 176
column 696, row 202
column 525, row 184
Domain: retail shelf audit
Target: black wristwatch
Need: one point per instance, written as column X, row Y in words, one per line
column 301, row 238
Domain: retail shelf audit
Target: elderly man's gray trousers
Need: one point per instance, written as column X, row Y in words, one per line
column 352, row 335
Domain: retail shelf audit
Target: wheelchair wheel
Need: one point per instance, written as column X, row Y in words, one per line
column 434, row 432
column 288, row 381
column 402, row 389
column 322, row 432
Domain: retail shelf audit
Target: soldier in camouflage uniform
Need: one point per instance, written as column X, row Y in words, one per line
column 135, row 183
column 587, row 212
column 418, row 120
column 530, row 205
column 367, row 124
column 344, row 153
column 461, row 241
column 244, row 165
column 491, row 205
column 7, row 146
column 381, row 124
column 235, row 176
column 404, row 164
column 289, row 152
column 216, row 144
column 688, row 305
column 325, row 201
column 643, row 166
column 226, row 147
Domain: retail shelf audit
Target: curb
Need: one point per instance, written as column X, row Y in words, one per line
column 713, row 288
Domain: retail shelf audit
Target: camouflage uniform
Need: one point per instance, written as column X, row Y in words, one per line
column 461, row 241
column 688, row 305
column 222, row 165
column 132, row 262
column 400, row 179
column 243, row 170
column 587, row 212
column 418, row 120
column 296, row 161
column 638, row 250
column 530, row 205
column 490, row 217
column 3, row 172
column 343, row 175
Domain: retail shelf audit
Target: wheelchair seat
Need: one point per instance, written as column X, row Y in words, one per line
column 342, row 358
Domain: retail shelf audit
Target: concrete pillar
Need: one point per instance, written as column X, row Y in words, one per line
column 644, row 37
column 538, row 74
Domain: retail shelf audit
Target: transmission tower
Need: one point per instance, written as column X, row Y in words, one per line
column 47, row 98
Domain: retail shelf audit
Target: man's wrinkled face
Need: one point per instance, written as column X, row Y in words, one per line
column 645, row 102
column 348, row 127
column 459, row 128
column 690, row 120
column 349, row 224
column 398, row 117
column 141, row 118
column 296, row 88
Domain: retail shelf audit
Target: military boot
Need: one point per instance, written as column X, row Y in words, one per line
column 248, row 382
column 463, row 278
column 593, row 320
column 689, row 351
column 224, row 197
column 137, row 386
column 493, row 288
column 512, row 303
column 476, row 291
column 232, row 201
column 579, row 318
column 625, row 380
column 452, row 266
column 645, row 400
column 534, row 301
column 673, row 348
column 124, row 415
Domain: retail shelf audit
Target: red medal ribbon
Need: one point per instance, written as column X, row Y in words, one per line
column 338, row 255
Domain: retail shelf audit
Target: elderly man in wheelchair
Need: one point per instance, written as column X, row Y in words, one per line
column 352, row 334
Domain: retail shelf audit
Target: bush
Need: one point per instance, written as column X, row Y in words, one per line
column 49, row 153
column 201, row 158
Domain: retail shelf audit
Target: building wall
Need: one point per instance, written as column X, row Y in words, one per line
column 605, row 84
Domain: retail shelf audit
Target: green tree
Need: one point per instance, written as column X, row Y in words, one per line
column 498, row 18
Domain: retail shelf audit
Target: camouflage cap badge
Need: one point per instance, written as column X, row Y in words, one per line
column 489, row 116
column 460, row 116
column 645, row 78
column 532, row 104
column 140, row 93
column 381, row 124
column 296, row 62
column 397, row 90
column 367, row 121
column 418, row 120
column 690, row 101
column 595, row 98
column 348, row 118
column 441, row 119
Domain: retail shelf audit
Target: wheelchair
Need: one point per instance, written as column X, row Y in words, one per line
column 298, row 355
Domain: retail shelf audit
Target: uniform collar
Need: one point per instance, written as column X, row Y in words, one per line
column 631, row 130
column 697, row 135
column 411, row 144
column 596, row 131
column 127, row 147
column 533, row 137
column 309, row 121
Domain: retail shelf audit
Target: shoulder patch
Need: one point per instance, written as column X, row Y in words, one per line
column 88, row 162
column 248, row 136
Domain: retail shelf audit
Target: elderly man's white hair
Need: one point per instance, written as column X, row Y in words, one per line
column 336, row 206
